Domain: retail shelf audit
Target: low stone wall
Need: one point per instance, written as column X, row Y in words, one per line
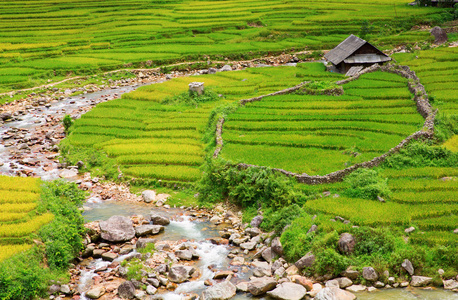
column 423, row 107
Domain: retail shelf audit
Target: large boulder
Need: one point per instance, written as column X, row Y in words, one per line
column 370, row 274
column 420, row 281
column 117, row 229
column 158, row 219
column 407, row 265
column 276, row 246
column 143, row 230
column 179, row 274
column 346, row 243
column 149, row 196
column 450, row 284
column 440, row 36
column 126, row 290
column 288, row 291
column 261, row 269
column 220, row 291
column 260, row 286
column 306, row 261
column 334, row 293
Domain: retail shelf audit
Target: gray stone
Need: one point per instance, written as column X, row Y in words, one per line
column 334, row 293
column 149, row 196
column 142, row 242
column 226, row 68
column 117, row 229
column 248, row 245
column 440, row 35
column 126, row 290
column 212, row 71
column 220, row 291
column 410, row 229
column 277, row 264
column 356, row 288
column 268, row 254
column 179, row 274
column 151, row 290
column 153, row 281
column 370, row 274
column 261, row 269
column 332, row 283
column 96, row 292
column 420, row 281
column 344, row 282
column 407, row 265
column 379, row 284
column 242, row 287
column 256, row 221
column 306, row 261
column 159, row 220
column 352, row 274
column 288, row 291
column 68, row 174
column 109, row 256
column 346, row 243
column 143, row 230
column 184, row 254
column 196, row 87
column 65, row 289
column 280, row 272
column 313, row 228
column 260, row 286
column 371, row 289
column 276, row 246
column 450, row 284
column 253, row 231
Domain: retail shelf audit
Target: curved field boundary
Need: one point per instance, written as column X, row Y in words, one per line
column 423, row 107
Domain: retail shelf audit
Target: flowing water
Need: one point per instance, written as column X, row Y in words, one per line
column 184, row 227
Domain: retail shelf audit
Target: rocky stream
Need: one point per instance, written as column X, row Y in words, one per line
column 198, row 253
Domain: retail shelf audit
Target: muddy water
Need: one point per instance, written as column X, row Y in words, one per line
column 183, row 227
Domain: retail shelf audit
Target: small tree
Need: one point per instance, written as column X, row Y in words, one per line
column 67, row 121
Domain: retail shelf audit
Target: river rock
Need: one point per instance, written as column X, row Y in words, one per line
column 344, row 282
column 420, row 281
column 370, row 274
column 267, row 254
column 126, row 290
column 315, row 290
column 306, row 261
column 225, row 68
column 220, row 291
column 288, row 291
column 65, row 289
column 179, row 274
column 260, row 286
column 157, row 219
column 261, row 269
column 410, row 229
column 96, row 292
column 142, row 242
column 256, row 221
column 109, row 256
column 143, row 230
column 248, row 245
column 253, row 231
column 352, row 274
column 68, row 174
column 407, row 265
column 439, row 34
column 334, row 293
column 450, row 284
column 184, row 254
column 151, row 290
column 149, row 196
column 276, row 246
column 356, row 288
column 346, row 243
column 306, row 283
column 117, row 229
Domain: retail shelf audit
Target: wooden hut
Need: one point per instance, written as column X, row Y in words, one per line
column 355, row 54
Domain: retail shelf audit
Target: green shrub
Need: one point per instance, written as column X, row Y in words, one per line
column 370, row 241
column 295, row 240
column 366, row 184
column 67, row 121
column 276, row 220
column 329, row 261
column 191, row 98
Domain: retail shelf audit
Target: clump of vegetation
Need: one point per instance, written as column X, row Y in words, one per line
column 67, row 121
column 366, row 184
column 191, row 98
column 321, row 88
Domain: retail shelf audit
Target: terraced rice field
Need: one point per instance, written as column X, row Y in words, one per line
column 422, row 197
column 318, row 134
column 46, row 39
column 437, row 70
column 18, row 216
column 149, row 139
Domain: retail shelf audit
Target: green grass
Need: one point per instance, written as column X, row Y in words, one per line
column 82, row 37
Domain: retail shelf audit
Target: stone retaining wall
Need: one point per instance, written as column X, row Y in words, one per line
column 423, row 107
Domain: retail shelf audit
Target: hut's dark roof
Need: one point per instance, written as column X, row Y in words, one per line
column 344, row 50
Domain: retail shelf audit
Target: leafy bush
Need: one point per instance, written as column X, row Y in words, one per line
column 329, row 261
column 418, row 154
column 277, row 220
column 260, row 187
column 371, row 241
column 191, row 98
column 63, row 236
column 366, row 184
column 67, row 121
